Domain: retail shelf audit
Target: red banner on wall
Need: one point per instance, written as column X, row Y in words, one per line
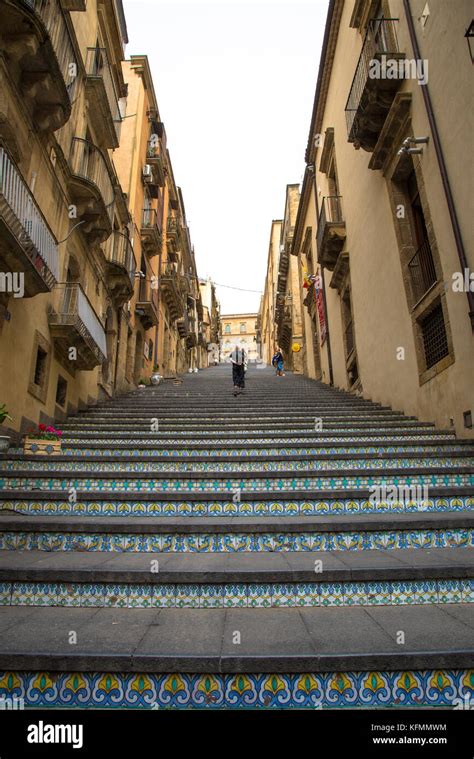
column 319, row 297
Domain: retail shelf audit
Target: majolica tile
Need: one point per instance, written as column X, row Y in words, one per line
column 467, row 590
column 211, row 596
column 164, row 596
column 116, row 596
column 426, row 592
column 307, row 594
column 331, row 594
column 69, row 594
column 449, row 591
column 5, row 593
column 187, row 596
column 403, row 593
column 23, row 594
column 235, row 595
column 283, row 595
column 378, row 593
column 93, row 594
column 355, row 594
column 259, row 595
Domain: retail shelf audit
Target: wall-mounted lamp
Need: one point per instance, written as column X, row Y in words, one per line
column 406, row 148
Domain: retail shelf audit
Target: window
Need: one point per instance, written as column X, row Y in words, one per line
column 61, row 391
column 435, row 341
column 40, row 367
column 227, row 329
column 243, row 328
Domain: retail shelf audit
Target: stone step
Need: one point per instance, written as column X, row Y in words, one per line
column 233, row 436
column 235, row 568
column 309, row 640
column 410, row 478
column 248, row 535
column 262, row 504
column 249, row 424
column 23, row 465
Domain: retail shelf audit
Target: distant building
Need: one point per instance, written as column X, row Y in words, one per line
column 239, row 330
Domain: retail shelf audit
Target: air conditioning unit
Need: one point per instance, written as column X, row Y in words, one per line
column 147, row 173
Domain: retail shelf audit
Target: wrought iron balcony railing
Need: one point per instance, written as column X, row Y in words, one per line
column 331, row 231
column 100, row 77
column 28, row 225
column 422, row 271
column 120, row 253
column 88, row 162
column 380, row 39
column 76, row 323
column 52, row 16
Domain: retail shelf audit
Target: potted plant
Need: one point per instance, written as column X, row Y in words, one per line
column 43, row 440
column 156, row 378
column 141, row 383
column 4, row 439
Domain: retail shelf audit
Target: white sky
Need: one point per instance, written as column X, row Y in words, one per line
column 235, row 84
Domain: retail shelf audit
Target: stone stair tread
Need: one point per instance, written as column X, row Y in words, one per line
column 397, row 564
column 272, row 640
column 136, row 524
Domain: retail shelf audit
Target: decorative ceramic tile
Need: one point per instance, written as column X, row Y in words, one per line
column 116, row 595
column 404, row 593
column 449, row 591
column 307, row 594
column 259, row 595
column 187, row 595
column 140, row 596
column 467, row 590
column 283, row 595
column 331, row 594
column 93, row 594
column 378, row 593
column 6, row 593
column 23, row 594
column 235, row 595
column 211, row 596
column 164, row 596
column 355, row 594
column 427, row 592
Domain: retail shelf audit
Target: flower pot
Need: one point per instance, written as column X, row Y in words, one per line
column 156, row 379
column 140, row 387
column 4, row 443
column 41, row 447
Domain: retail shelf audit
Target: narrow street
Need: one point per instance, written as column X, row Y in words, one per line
column 233, row 557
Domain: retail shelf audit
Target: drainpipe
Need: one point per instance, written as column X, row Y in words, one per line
column 328, row 337
column 441, row 162
column 117, row 355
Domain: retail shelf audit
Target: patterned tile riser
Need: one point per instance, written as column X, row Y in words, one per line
column 244, row 466
column 236, row 543
column 244, row 452
column 228, row 485
column 244, row 508
column 425, row 688
column 251, row 595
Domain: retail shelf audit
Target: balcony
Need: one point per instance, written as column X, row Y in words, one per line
column 101, row 93
column 76, row 325
column 171, row 284
column 41, row 59
column 372, row 92
column 27, row 244
column 92, row 189
column 173, row 235
column 146, row 305
column 74, row 5
column 150, row 232
column 331, row 233
column 422, row 272
column 121, row 265
column 182, row 325
column 155, row 159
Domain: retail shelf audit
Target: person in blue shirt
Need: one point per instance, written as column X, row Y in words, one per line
column 277, row 362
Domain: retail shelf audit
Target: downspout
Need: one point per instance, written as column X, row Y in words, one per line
column 328, row 336
column 441, row 162
column 158, row 284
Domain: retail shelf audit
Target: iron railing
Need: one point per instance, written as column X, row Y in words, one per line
column 24, row 207
column 330, row 213
column 75, row 303
column 151, row 219
column 148, row 287
column 349, row 335
column 52, row 16
column 88, row 162
column 422, row 271
column 380, row 38
column 98, row 66
column 120, row 252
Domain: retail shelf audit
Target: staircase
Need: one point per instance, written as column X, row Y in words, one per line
column 295, row 546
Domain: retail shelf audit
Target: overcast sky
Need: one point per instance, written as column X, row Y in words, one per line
column 235, row 83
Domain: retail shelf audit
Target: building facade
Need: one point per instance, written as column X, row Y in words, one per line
column 239, row 330
column 383, row 234
column 87, row 200
column 211, row 322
